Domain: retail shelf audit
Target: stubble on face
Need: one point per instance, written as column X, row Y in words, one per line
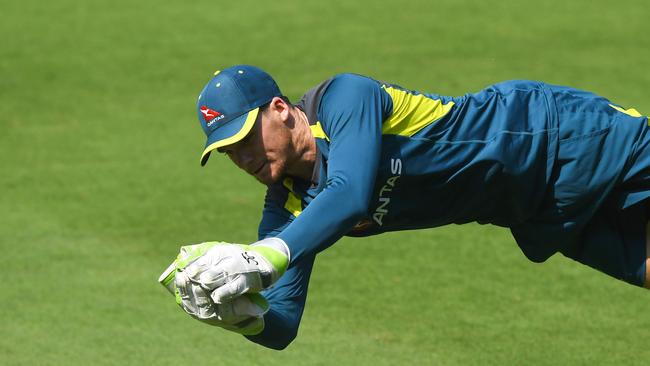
column 271, row 151
column 263, row 153
column 289, row 145
column 274, row 147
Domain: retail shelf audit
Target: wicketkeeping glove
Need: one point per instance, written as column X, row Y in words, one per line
column 210, row 278
column 231, row 270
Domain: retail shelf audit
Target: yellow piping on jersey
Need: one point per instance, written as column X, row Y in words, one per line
column 630, row 112
column 293, row 204
column 411, row 113
column 317, row 131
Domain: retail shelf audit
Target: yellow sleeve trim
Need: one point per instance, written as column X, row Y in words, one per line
column 630, row 112
column 317, row 131
column 411, row 113
column 294, row 203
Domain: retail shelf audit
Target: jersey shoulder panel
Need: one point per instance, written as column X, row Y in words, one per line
column 351, row 95
column 310, row 102
column 340, row 95
column 339, row 88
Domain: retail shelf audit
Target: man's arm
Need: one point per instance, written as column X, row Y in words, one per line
column 286, row 304
column 286, row 297
column 352, row 111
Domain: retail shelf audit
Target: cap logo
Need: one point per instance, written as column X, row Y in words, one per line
column 210, row 116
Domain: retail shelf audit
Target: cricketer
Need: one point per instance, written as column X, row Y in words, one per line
column 565, row 170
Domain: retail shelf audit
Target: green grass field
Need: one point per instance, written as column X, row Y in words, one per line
column 101, row 183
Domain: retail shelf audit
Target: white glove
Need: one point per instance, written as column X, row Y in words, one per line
column 244, row 314
column 231, row 270
column 235, row 272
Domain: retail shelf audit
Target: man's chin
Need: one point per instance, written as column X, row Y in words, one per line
column 270, row 174
column 267, row 179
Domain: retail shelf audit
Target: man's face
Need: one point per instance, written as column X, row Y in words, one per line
column 267, row 149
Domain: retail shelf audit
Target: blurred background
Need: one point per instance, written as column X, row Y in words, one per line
column 100, row 182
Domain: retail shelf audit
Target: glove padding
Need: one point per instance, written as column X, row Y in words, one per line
column 244, row 314
column 217, row 283
column 231, row 270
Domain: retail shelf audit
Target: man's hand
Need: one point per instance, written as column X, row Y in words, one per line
column 227, row 271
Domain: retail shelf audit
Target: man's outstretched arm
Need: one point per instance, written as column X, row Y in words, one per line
column 286, row 297
column 286, row 304
column 352, row 111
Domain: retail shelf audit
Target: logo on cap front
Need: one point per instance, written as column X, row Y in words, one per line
column 210, row 115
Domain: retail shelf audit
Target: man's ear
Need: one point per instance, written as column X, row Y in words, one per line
column 279, row 106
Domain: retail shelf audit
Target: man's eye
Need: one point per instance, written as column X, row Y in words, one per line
column 247, row 137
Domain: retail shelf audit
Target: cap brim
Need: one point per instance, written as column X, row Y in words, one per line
column 232, row 132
